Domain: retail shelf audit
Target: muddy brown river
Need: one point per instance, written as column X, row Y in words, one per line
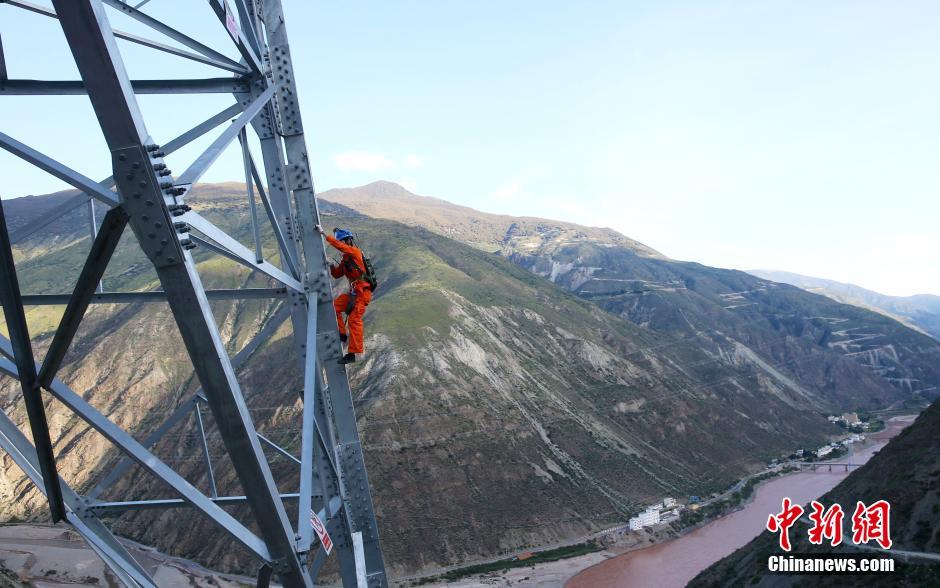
column 676, row 562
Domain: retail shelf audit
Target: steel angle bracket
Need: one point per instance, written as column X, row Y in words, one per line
column 264, row 123
column 357, row 498
column 318, row 284
column 144, row 200
column 298, row 176
column 288, row 110
column 328, row 344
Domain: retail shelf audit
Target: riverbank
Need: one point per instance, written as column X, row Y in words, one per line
column 748, row 504
column 673, row 563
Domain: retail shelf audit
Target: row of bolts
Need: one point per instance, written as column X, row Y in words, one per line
column 175, row 209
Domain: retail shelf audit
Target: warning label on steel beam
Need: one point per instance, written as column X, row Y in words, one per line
column 320, row 530
column 230, row 23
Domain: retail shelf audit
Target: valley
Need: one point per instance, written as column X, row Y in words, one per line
column 515, row 392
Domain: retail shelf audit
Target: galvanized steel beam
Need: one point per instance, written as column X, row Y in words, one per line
column 3, row 62
column 77, row 87
column 154, row 296
column 236, row 251
column 208, row 157
column 21, row 350
column 287, row 252
column 221, row 10
column 93, row 46
column 115, row 556
column 182, row 140
column 226, row 64
column 333, row 480
column 145, row 459
column 170, row 32
column 115, row 507
column 57, row 169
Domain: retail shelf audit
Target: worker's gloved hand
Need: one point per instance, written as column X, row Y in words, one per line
column 318, row 228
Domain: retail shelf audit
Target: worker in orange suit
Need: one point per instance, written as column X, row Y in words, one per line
column 354, row 302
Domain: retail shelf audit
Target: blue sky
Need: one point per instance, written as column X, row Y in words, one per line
column 796, row 135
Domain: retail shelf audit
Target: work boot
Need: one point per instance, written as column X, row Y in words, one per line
column 343, row 337
column 348, row 358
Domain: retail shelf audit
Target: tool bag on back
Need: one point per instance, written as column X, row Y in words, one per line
column 370, row 273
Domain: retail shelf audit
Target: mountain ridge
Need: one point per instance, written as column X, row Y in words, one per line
column 486, row 230
column 920, row 311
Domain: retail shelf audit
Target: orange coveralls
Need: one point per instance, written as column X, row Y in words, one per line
column 354, row 302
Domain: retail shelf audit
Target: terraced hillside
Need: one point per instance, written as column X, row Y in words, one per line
column 921, row 311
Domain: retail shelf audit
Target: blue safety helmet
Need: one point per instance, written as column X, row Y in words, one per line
column 341, row 234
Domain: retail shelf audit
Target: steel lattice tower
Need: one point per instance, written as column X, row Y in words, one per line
column 144, row 194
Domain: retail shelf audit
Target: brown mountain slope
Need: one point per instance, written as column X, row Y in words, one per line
column 484, row 230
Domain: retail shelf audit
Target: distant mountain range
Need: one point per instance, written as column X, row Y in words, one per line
column 526, row 380
column 921, row 311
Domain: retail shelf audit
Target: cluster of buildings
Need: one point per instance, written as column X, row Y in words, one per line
column 849, row 418
column 661, row 512
column 827, row 449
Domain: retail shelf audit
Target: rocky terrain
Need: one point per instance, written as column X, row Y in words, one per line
column 498, row 411
column 47, row 556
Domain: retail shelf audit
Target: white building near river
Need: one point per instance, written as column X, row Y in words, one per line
column 647, row 518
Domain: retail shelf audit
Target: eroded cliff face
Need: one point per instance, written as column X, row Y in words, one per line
column 497, row 410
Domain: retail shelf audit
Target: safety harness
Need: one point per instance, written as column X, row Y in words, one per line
column 368, row 273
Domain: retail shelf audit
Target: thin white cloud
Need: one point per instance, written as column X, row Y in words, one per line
column 366, row 161
column 372, row 162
